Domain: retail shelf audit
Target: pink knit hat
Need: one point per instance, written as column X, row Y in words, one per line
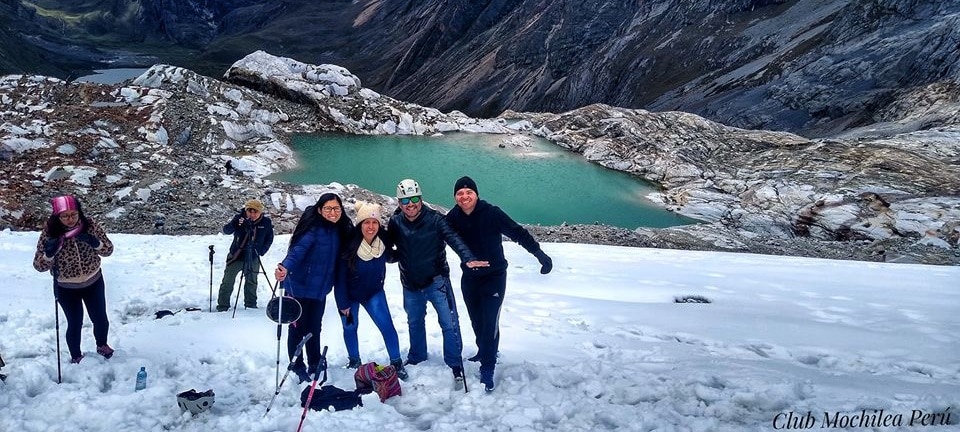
column 63, row 203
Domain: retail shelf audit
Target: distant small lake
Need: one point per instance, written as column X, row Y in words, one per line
column 535, row 183
column 112, row 76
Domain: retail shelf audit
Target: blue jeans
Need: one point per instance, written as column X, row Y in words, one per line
column 440, row 294
column 379, row 312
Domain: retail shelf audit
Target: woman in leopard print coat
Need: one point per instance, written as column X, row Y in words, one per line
column 70, row 247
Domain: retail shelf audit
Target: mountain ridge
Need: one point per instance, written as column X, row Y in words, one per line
column 815, row 67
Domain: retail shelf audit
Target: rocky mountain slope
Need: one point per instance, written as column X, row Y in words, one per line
column 154, row 149
column 813, row 67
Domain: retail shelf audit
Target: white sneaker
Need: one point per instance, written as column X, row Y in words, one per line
column 458, row 379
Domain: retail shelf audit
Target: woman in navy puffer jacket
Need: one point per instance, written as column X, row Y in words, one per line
column 310, row 273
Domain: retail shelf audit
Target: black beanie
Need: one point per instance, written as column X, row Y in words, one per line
column 465, row 182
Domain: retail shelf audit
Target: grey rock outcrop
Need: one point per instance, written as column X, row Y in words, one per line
column 156, row 147
column 343, row 103
column 776, row 183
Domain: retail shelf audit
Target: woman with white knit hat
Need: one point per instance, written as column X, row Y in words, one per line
column 364, row 266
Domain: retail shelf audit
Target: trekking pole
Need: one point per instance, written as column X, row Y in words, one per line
column 211, row 280
column 279, row 332
column 243, row 272
column 273, row 291
column 452, row 303
column 313, row 386
column 56, row 311
column 296, row 354
column 239, row 288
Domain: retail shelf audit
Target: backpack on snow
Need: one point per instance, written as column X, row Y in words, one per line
column 380, row 379
column 328, row 396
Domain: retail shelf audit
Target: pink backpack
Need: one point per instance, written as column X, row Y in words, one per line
column 381, row 379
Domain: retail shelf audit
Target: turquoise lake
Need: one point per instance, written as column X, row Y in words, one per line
column 535, row 183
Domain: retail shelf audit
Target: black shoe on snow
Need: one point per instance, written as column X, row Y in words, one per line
column 401, row 371
column 476, row 357
column 301, row 371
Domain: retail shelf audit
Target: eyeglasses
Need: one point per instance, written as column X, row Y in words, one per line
column 405, row 201
column 70, row 215
column 252, row 210
column 332, row 209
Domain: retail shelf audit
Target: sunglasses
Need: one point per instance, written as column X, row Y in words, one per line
column 252, row 210
column 405, row 201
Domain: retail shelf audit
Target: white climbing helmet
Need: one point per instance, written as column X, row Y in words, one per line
column 408, row 188
column 195, row 402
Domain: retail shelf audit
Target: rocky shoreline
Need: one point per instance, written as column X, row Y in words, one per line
column 153, row 150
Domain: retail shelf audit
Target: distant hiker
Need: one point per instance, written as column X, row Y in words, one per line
column 310, row 273
column 158, row 222
column 252, row 236
column 421, row 235
column 70, row 247
column 482, row 227
column 364, row 267
column 229, row 166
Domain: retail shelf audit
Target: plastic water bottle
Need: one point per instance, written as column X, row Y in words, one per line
column 141, row 378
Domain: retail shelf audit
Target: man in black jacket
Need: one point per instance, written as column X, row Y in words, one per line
column 481, row 226
column 420, row 235
column 252, row 236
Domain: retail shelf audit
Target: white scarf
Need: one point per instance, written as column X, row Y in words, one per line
column 370, row 251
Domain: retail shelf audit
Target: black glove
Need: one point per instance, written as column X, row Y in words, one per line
column 546, row 264
column 51, row 246
column 89, row 239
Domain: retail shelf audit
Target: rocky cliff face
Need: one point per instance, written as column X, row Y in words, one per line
column 814, row 67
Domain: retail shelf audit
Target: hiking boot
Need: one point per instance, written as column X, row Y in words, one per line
column 105, row 351
column 353, row 363
column 250, row 306
column 223, row 308
column 312, row 370
column 411, row 362
column 486, row 378
column 76, row 360
column 476, row 357
column 301, row 371
column 457, row 378
column 398, row 366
